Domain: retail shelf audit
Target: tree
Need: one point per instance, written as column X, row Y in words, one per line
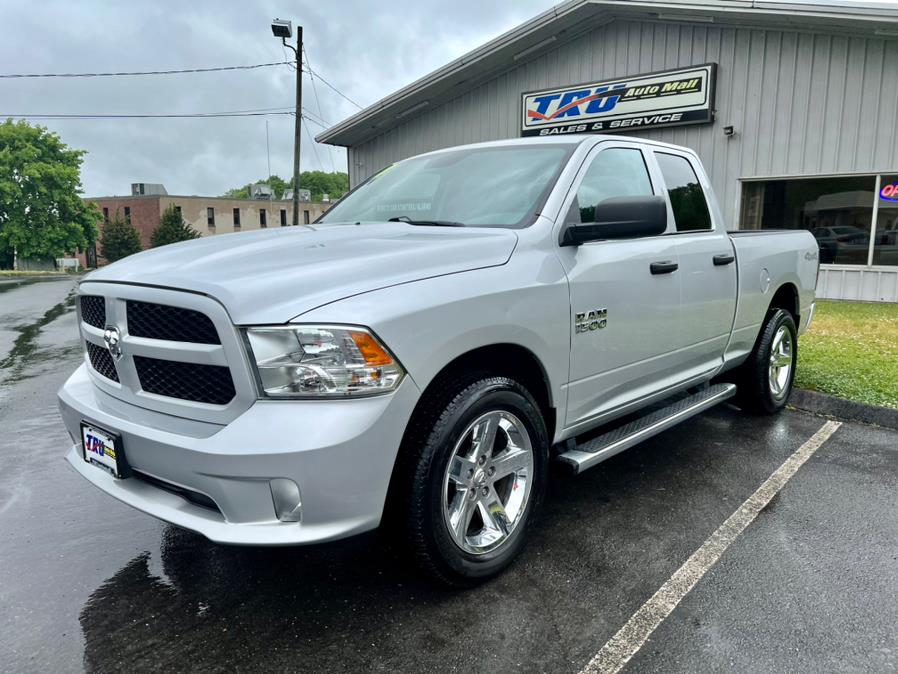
column 319, row 183
column 120, row 239
column 42, row 214
column 172, row 229
column 278, row 187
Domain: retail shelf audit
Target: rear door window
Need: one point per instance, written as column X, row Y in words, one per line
column 687, row 199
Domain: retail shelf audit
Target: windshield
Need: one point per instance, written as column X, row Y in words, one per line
column 486, row 187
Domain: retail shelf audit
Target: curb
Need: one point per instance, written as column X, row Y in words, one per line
column 827, row 405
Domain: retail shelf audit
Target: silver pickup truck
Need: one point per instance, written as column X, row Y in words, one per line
column 421, row 353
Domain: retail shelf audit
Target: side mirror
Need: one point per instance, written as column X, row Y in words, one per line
column 620, row 218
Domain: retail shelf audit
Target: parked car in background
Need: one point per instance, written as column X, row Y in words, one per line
column 842, row 243
column 422, row 352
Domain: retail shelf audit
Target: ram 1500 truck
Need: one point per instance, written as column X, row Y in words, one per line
column 422, row 352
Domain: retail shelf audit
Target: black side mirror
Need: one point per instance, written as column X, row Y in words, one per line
column 620, row 218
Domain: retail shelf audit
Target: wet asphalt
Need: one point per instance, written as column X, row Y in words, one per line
column 86, row 583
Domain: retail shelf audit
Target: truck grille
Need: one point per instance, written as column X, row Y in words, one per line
column 181, row 354
column 93, row 310
column 101, row 361
column 160, row 321
column 210, row 384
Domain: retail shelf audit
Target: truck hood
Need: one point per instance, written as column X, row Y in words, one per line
column 274, row 275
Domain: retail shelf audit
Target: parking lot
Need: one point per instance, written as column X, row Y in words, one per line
column 810, row 585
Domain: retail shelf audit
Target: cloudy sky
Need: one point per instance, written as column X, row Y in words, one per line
column 365, row 49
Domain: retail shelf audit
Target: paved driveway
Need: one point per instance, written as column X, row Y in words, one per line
column 811, row 584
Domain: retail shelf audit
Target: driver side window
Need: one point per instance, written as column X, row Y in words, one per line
column 615, row 172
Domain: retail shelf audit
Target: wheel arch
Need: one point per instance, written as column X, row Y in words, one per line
column 503, row 359
column 786, row 297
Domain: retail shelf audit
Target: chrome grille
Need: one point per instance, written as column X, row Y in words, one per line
column 101, row 361
column 209, row 384
column 93, row 310
column 160, row 321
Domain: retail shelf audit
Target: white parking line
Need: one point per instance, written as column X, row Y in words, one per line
column 618, row 650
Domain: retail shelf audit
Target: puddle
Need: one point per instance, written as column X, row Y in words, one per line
column 26, row 346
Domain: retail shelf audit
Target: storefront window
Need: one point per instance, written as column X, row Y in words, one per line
column 837, row 211
column 885, row 241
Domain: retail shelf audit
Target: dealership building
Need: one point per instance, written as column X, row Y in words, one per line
column 791, row 106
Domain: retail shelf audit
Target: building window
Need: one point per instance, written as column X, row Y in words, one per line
column 885, row 236
column 837, row 211
column 236, row 218
column 687, row 200
column 178, row 210
column 210, row 217
column 283, row 217
column 263, row 218
column 105, row 215
column 128, row 214
column 305, row 217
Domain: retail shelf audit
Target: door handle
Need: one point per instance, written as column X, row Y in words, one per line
column 665, row 267
column 726, row 258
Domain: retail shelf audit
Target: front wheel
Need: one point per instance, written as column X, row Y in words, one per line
column 476, row 461
column 766, row 377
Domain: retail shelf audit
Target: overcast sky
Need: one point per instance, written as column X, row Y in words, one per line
column 365, row 49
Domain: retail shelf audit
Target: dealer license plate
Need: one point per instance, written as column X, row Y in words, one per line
column 103, row 449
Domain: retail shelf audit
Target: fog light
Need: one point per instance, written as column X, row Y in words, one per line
column 287, row 500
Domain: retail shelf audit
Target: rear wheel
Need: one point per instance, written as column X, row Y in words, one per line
column 766, row 377
column 475, row 461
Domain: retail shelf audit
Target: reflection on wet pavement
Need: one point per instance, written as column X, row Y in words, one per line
column 34, row 331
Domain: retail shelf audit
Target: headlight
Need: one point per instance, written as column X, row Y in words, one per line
column 318, row 361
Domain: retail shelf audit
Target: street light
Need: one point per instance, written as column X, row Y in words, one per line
column 284, row 30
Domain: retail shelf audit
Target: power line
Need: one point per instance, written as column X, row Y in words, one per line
column 333, row 88
column 315, row 145
column 194, row 115
column 312, row 141
column 148, row 72
column 312, row 77
column 316, row 118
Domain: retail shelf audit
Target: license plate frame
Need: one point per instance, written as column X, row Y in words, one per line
column 95, row 438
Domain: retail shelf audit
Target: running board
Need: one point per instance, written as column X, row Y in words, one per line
column 594, row 451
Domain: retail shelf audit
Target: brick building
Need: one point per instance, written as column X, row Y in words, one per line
column 207, row 215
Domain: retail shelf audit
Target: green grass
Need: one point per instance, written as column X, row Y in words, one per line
column 851, row 351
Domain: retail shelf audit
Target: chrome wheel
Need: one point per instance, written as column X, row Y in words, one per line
column 780, row 370
column 488, row 482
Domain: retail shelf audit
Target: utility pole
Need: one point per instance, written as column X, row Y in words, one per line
column 297, row 128
column 284, row 29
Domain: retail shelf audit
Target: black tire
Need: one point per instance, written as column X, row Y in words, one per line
column 430, row 443
column 755, row 394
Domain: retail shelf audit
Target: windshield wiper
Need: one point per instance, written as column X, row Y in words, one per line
column 422, row 223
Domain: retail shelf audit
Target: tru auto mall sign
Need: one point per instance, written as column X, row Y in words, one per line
column 669, row 98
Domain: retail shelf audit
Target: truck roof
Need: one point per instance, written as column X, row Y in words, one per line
column 567, row 139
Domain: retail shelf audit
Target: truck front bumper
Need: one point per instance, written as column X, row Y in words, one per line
column 339, row 453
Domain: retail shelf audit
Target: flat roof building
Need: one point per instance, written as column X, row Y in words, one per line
column 207, row 215
column 791, row 106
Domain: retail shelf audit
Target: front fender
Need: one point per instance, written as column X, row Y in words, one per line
column 428, row 324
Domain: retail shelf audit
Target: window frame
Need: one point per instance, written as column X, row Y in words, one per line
column 210, row 216
column 699, row 175
column 236, row 215
column 651, row 169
